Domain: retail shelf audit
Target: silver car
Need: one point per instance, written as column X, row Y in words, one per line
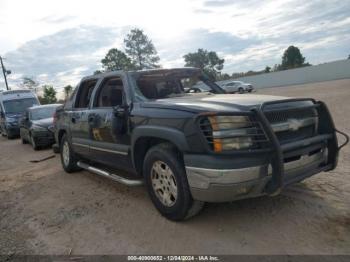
column 237, row 87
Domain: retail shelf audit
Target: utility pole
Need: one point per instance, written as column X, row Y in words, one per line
column 5, row 72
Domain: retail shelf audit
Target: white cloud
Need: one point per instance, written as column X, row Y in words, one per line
column 47, row 37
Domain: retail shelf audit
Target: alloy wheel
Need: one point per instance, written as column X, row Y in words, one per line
column 164, row 183
column 65, row 153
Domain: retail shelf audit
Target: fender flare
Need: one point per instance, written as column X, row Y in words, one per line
column 172, row 135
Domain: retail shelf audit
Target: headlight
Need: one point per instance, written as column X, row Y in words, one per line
column 231, row 132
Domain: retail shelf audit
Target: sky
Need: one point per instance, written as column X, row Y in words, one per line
column 59, row 41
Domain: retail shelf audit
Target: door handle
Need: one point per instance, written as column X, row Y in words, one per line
column 91, row 119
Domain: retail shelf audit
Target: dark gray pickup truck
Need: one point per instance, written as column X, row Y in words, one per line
column 192, row 147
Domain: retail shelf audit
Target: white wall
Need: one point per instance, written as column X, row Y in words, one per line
column 324, row 72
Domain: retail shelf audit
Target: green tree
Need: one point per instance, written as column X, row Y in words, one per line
column 267, row 69
column 29, row 83
column 116, row 60
column 67, row 90
column 224, row 76
column 141, row 50
column 292, row 58
column 49, row 95
column 208, row 61
column 98, row 72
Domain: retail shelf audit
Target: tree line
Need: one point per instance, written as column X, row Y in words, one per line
column 49, row 93
column 139, row 53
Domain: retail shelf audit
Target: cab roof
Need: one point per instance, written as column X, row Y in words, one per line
column 165, row 71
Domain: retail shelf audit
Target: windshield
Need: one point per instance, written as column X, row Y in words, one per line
column 19, row 105
column 167, row 84
column 42, row 113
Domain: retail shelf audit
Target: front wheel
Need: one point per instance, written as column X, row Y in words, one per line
column 240, row 90
column 33, row 142
column 24, row 141
column 167, row 183
column 68, row 159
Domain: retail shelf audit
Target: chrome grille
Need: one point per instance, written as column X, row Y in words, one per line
column 293, row 125
column 280, row 116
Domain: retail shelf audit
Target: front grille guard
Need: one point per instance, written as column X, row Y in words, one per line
column 326, row 134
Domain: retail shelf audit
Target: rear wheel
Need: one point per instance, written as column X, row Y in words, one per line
column 167, row 183
column 68, row 159
column 241, row 90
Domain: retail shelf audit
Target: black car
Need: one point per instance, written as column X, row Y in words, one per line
column 36, row 126
column 194, row 147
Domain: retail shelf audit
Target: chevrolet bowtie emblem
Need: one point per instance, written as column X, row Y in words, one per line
column 294, row 124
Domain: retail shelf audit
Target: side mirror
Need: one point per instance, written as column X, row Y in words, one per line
column 119, row 121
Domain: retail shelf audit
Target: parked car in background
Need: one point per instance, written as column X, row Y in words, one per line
column 13, row 103
column 36, row 126
column 237, row 87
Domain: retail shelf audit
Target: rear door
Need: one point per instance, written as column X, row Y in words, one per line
column 110, row 140
column 78, row 117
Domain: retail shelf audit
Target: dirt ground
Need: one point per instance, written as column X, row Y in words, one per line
column 43, row 210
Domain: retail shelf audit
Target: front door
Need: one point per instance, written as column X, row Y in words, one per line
column 78, row 118
column 110, row 140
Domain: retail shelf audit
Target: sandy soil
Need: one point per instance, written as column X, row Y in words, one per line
column 46, row 211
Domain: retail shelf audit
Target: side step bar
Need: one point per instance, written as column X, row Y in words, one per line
column 122, row 180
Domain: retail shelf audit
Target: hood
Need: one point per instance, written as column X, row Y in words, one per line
column 14, row 115
column 46, row 122
column 211, row 102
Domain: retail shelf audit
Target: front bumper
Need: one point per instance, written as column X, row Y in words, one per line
column 221, row 185
column 220, row 177
column 43, row 138
column 12, row 130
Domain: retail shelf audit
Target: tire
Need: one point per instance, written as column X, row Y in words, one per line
column 68, row 158
column 33, row 143
column 167, row 184
column 24, row 141
column 240, row 90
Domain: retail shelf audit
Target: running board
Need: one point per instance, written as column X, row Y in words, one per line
column 122, row 180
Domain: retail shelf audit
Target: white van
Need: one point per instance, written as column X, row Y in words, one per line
column 13, row 104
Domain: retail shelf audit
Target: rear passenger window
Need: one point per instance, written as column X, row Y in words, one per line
column 84, row 94
column 110, row 94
